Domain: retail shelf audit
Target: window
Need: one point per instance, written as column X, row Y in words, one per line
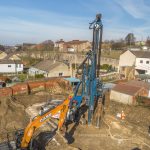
column 147, row 62
column 141, row 61
column 60, row 74
column 9, row 66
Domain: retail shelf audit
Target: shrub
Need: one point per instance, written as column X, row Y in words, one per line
column 38, row 76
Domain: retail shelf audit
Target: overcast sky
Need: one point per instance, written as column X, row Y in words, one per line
column 34, row 21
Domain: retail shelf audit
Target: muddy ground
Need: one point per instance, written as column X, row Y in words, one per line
column 13, row 114
column 114, row 134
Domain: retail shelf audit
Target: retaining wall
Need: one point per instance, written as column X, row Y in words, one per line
column 32, row 87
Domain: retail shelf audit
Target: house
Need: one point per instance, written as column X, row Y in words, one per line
column 142, row 63
column 144, row 84
column 60, row 45
column 10, row 66
column 13, row 56
column 77, row 46
column 127, row 93
column 10, row 55
column 2, row 55
column 145, row 48
column 133, row 63
column 134, row 49
column 50, row 69
column 73, row 46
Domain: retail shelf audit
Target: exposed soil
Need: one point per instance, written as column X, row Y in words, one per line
column 12, row 117
column 114, row 134
column 13, row 114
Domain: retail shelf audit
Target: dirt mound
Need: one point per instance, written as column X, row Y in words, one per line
column 12, row 116
column 58, row 86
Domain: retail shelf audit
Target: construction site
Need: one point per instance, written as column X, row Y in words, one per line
column 52, row 114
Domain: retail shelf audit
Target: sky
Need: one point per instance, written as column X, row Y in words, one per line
column 34, row 21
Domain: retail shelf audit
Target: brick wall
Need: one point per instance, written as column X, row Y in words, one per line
column 55, row 85
column 36, row 86
column 6, row 92
column 20, row 89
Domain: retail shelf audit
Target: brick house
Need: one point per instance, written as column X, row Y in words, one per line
column 73, row 46
column 60, row 45
column 77, row 45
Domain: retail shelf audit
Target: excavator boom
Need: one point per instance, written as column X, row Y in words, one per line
column 40, row 120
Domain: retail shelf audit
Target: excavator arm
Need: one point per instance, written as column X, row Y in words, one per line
column 40, row 120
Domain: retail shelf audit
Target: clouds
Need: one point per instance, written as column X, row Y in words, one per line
column 136, row 8
column 35, row 24
column 15, row 30
column 139, row 11
column 38, row 25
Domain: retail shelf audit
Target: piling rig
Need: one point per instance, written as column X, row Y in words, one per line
column 90, row 86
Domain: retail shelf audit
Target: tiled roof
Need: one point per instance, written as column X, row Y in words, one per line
column 61, row 41
column 141, row 54
column 47, row 65
column 139, row 83
column 127, row 89
column 9, row 61
column 75, row 42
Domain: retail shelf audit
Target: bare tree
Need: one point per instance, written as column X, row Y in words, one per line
column 148, row 41
column 130, row 39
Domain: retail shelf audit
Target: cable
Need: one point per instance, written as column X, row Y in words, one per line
column 123, row 139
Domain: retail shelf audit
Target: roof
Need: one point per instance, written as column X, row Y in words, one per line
column 141, row 54
column 61, row 41
column 127, row 89
column 11, row 55
column 72, row 80
column 75, row 42
column 139, row 84
column 9, row 61
column 47, row 65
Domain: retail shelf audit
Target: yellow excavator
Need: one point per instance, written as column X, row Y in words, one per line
column 24, row 138
column 40, row 120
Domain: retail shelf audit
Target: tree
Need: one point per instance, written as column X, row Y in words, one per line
column 106, row 67
column 118, row 45
column 2, row 48
column 130, row 39
column 148, row 41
